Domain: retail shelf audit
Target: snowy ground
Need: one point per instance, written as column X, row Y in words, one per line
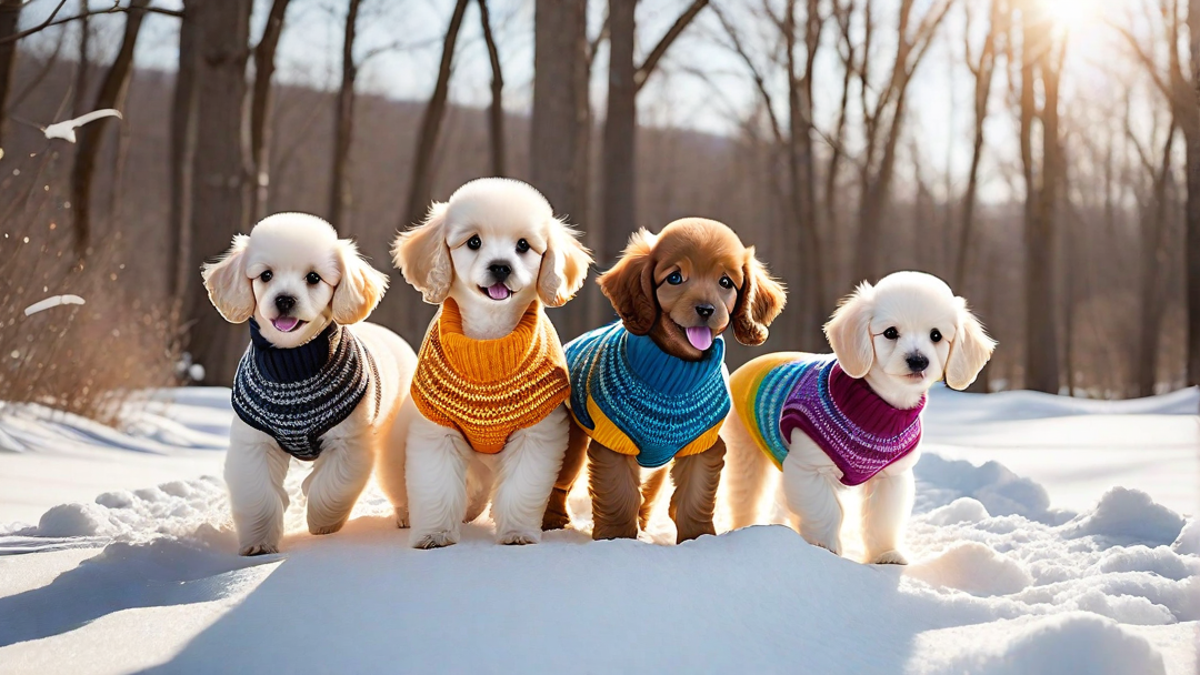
column 1047, row 568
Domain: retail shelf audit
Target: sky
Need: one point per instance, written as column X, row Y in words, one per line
column 405, row 39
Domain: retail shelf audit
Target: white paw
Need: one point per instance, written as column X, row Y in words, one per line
column 259, row 549
column 436, row 539
column 833, row 546
column 519, row 537
column 325, row 529
column 401, row 517
column 892, row 557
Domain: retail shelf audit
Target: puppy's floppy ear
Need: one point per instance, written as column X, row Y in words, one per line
column 849, row 331
column 361, row 287
column 629, row 285
column 970, row 350
column 564, row 265
column 422, row 256
column 229, row 289
column 761, row 300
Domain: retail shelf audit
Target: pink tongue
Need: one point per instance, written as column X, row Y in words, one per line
column 285, row 324
column 700, row 337
column 498, row 291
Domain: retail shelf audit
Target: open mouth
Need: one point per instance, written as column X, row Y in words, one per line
column 700, row 337
column 287, row 324
column 915, row 377
column 496, row 291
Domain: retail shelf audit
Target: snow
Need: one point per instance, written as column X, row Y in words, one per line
column 126, row 562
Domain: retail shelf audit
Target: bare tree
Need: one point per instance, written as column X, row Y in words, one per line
column 221, row 180
column 561, row 125
column 1041, row 59
column 878, row 168
column 260, row 107
column 625, row 79
column 982, row 69
column 82, row 63
column 1192, row 133
column 340, row 191
column 10, row 23
column 496, row 109
column 181, row 157
column 112, row 89
column 421, row 188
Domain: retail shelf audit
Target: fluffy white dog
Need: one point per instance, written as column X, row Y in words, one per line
column 486, row 406
column 311, row 385
column 855, row 420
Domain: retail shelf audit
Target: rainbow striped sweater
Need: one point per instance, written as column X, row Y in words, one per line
column 632, row 397
column 776, row 394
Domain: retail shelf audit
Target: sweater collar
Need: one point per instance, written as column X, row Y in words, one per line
column 858, row 402
column 483, row 360
column 287, row 366
column 669, row 374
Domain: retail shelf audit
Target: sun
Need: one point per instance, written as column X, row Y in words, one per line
column 1075, row 15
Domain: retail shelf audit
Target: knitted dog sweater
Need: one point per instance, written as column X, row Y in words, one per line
column 632, row 397
column 296, row 395
column 857, row 429
column 487, row 389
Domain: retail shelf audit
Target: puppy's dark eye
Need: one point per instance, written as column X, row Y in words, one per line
column 474, row 243
column 891, row 333
column 522, row 246
column 266, row 276
column 675, row 279
column 726, row 282
column 935, row 335
column 313, row 278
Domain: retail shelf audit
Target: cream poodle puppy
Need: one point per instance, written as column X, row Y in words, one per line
column 486, row 420
column 314, row 384
column 851, row 418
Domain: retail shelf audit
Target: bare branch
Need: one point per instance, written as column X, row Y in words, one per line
column 50, row 21
column 644, row 71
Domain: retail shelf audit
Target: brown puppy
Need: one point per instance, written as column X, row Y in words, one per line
column 682, row 289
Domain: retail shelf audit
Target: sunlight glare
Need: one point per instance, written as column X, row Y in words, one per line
column 1074, row 15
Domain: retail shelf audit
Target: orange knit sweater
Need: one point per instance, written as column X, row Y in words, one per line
column 487, row 389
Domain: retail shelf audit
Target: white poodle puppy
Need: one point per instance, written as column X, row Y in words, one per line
column 486, row 408
column 853, row 418
column 311, row 385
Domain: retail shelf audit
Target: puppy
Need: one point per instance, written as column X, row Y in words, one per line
column 652, row 388
column 853, row 418
column 487, row 399
column 310, row 385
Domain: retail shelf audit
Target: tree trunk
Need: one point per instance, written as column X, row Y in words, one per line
column 496, row 110
column 420, row 191
column 983, row 71
column 620, row 128
column 260, row 108
column 91, row 135
column 10, row 23
column 1193, row 201
column 341, row 195
column 82, row 64
column 220, row 192
column 1154, row 241
column 560, row 129
column 182, row 153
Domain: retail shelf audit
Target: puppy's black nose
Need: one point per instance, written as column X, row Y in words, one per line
column 704, row 311
column 284, row 303
column 917, row 363
column 500, row 271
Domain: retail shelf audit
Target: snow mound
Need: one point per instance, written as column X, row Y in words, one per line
column 1128, row 517
column 75, row 520
column 1000, row 491
column 1188, row 542
column 1068, row 643
column 974, row 568
column 961, row 510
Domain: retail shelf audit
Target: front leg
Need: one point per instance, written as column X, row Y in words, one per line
column 254, row 471
column 696, row 478
column 436, row 476
column 529, row 464
column 811, row 485
column 339, row 475
column 887, row 503
column 614, row 483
